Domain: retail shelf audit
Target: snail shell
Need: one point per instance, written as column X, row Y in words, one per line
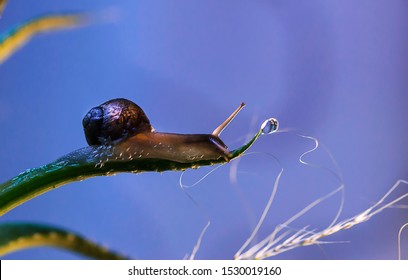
column 113, row 121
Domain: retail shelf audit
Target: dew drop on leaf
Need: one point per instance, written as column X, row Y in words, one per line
column 269, row 126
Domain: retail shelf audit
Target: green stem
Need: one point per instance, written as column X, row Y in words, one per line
column 18, row 236
column 86, row 163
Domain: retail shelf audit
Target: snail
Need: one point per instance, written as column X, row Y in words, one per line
column 125, row 125
column 121, row 139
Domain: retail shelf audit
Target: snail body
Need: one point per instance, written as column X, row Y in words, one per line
column 124, row 126
column 174, row 147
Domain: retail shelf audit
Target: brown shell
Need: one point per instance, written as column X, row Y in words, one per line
column 113, row 121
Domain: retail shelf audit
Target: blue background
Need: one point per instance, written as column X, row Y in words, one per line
column 336, row 70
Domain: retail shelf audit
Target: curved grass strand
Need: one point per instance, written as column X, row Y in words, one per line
column 19, row 236
column 16, row 37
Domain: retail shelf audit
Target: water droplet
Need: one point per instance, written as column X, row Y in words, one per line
column 269, row 126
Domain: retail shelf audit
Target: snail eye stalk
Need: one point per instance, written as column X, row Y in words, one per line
column 222, row 126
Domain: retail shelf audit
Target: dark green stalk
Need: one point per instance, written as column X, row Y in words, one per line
column 18, row 236
column 86, row 163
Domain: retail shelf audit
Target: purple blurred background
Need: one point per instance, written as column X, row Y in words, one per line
column 335, row 70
